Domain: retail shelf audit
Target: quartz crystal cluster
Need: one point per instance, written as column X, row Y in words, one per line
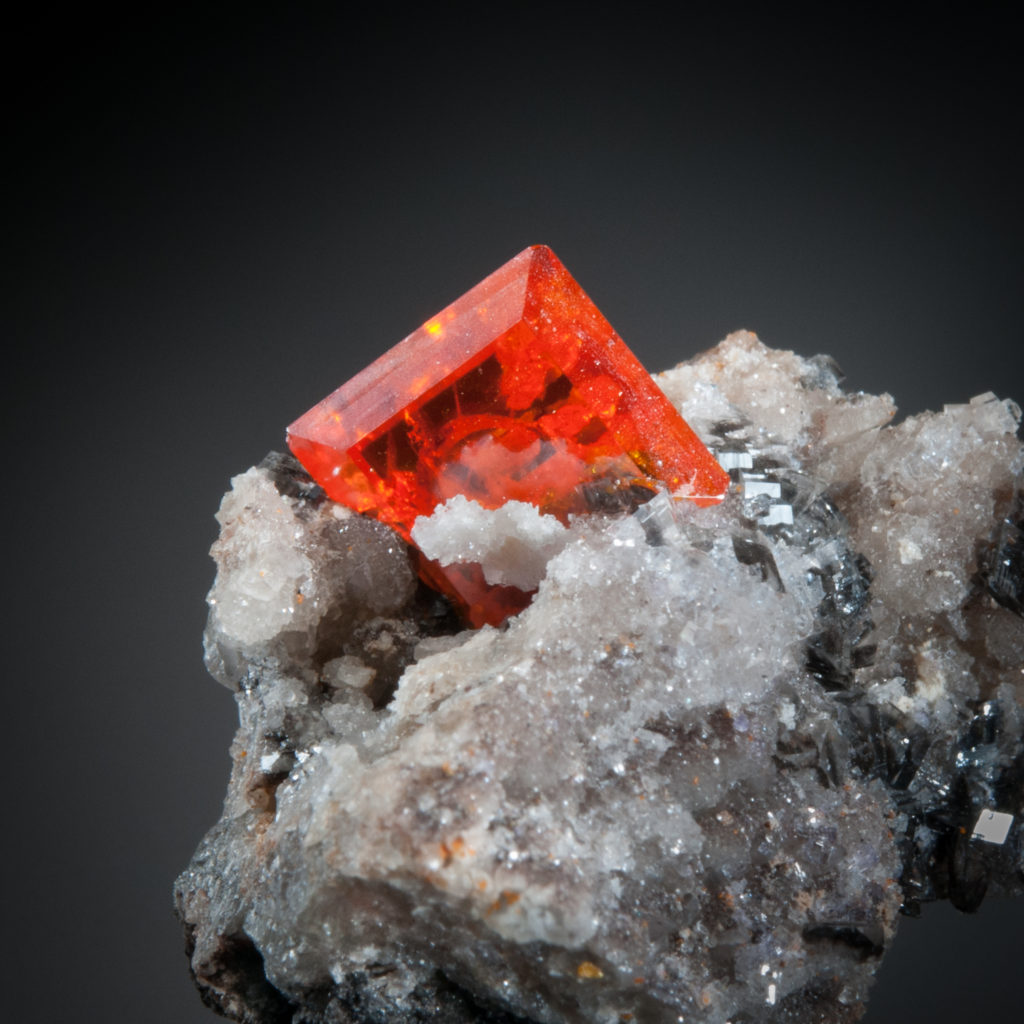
column 696, row 779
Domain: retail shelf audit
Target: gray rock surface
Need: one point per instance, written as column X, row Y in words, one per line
column 696, row 780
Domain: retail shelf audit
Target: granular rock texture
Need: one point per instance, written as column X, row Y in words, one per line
column 697, row 779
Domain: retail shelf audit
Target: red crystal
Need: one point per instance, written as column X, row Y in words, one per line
column 519, row 390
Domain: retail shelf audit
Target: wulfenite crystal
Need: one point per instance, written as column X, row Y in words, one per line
column 519, row 391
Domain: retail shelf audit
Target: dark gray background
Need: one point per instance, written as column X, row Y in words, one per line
column 215, row 220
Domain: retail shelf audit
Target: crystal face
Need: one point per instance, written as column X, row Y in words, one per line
column 519, row 391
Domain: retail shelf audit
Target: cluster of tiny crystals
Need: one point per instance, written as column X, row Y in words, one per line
column 696, row 779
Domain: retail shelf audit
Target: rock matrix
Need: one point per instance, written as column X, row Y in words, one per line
column 697, row 779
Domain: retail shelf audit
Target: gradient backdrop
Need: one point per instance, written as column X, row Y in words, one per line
column 216, row 219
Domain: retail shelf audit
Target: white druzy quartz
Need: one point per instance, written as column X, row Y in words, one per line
column 695, row 780
column 513, row 544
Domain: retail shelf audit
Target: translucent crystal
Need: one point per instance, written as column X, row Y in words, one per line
column 518, row 391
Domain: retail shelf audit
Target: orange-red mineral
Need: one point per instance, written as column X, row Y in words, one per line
column 518, row 390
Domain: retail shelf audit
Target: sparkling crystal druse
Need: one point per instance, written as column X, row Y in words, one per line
column 697, row 778
column 519, row 391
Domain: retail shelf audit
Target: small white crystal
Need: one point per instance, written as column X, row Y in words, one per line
column 513, row 544
column 992, row 826
column 754, row 486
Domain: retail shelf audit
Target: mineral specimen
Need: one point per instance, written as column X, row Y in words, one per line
column 697, row 779
column 519, row 391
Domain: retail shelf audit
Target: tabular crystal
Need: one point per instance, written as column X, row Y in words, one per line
column 520, row 390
